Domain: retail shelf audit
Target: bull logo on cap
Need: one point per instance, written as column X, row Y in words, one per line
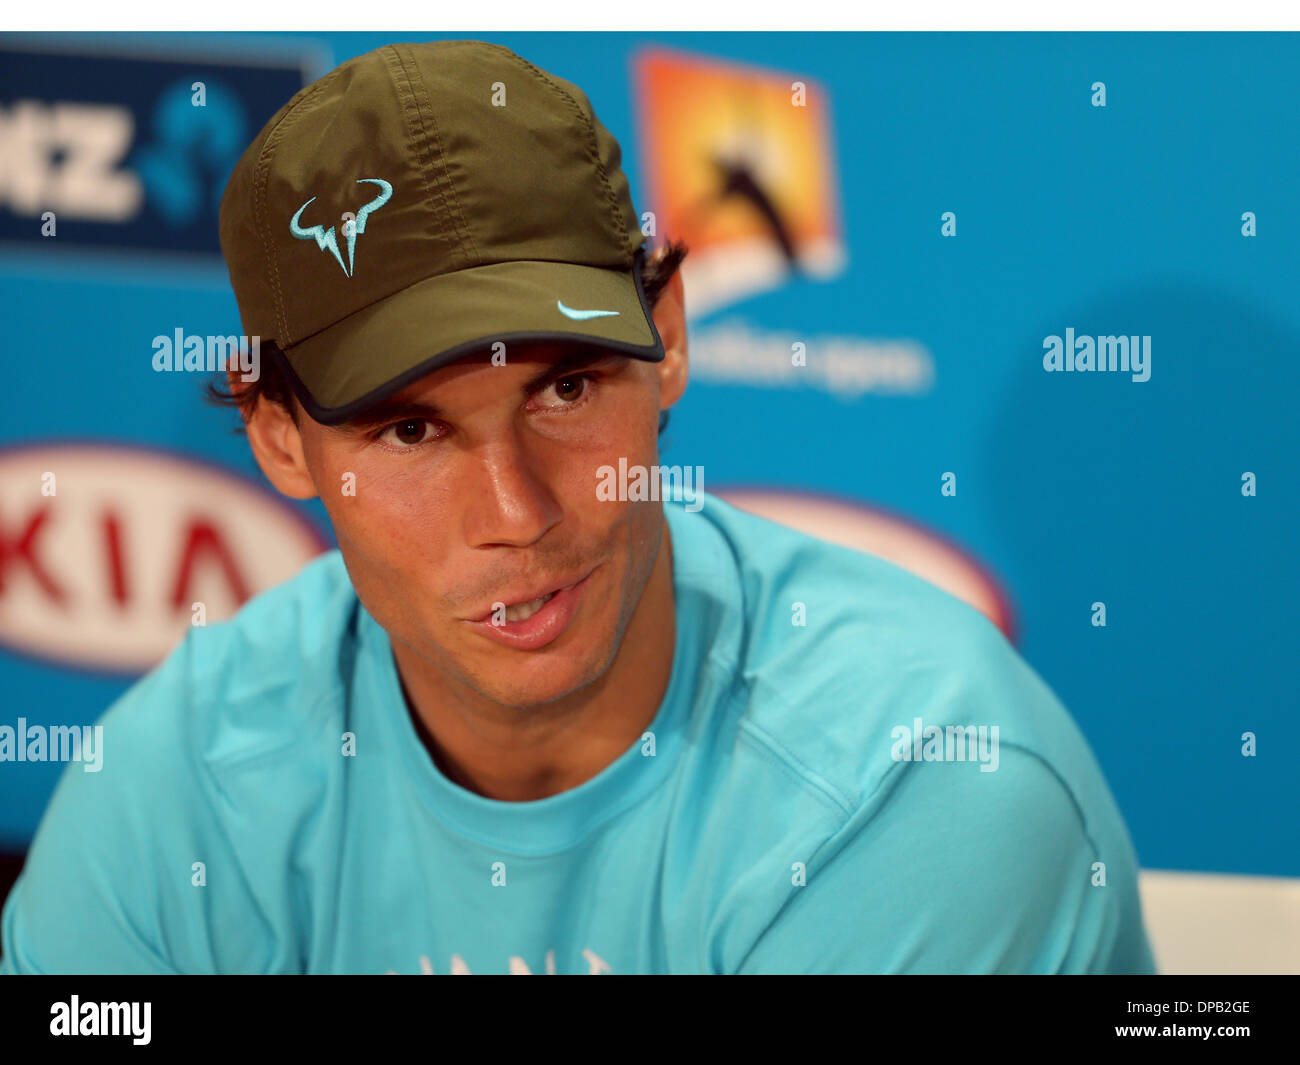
column 326, row 239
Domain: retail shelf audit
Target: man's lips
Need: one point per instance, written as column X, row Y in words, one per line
column 543, row 626
column 520, row 598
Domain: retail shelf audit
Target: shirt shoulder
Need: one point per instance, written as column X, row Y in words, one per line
column 209, row 764
column 964, row 873
column 289, row 648
column 854, row 687
column 831, row 650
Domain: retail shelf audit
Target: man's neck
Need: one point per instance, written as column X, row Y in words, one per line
column 523, row 755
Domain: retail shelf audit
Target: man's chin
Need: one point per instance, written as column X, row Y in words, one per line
column 523, row 693
column 524, row 679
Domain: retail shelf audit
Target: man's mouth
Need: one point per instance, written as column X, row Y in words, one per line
column 530, row 624
column 523, row 611
column 517, row 608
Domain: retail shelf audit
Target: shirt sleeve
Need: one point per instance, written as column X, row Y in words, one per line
column 963, row 871
column 107, row 885
column 81, row 904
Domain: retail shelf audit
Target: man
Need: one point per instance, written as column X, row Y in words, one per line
column 515, row 724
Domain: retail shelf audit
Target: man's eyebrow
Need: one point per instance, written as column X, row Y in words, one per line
column 388, row 411
column 577, row 360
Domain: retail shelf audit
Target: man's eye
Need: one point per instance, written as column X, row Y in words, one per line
column 406, row 433
column 567, row 389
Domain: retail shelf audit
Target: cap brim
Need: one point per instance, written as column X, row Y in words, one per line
column 340, row 371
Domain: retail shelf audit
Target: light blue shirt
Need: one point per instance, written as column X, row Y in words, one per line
column 790, row 809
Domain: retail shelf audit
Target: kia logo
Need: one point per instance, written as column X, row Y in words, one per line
column 110, row 553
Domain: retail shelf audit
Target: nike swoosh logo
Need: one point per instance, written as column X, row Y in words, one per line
column 581, row 316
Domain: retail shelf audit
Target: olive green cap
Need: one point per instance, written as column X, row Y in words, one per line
column 421, row 203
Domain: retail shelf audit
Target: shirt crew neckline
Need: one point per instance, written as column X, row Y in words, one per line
column 563, row 820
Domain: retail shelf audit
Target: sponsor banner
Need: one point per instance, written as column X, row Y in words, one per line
column 126, row 151
column 109, row 553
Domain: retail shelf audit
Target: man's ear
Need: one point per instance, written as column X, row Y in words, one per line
column 670, row 320
column 277, row 446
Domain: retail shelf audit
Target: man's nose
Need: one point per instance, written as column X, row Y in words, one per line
column 511, row 504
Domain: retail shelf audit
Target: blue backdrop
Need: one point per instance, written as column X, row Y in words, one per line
column 1073, row 488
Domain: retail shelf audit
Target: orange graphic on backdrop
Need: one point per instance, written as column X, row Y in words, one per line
column 737, row 162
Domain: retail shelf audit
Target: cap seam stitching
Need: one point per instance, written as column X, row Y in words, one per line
column 425, row 113
column 433, row 139
column 260, row 179
column 593, row 148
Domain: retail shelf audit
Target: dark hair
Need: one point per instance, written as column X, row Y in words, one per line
column 273, row 386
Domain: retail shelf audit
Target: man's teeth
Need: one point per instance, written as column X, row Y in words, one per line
column 523, row 611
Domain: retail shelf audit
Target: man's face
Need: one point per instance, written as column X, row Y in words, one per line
column 475, row 495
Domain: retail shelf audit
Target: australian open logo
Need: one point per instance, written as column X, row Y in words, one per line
column 353, row 225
